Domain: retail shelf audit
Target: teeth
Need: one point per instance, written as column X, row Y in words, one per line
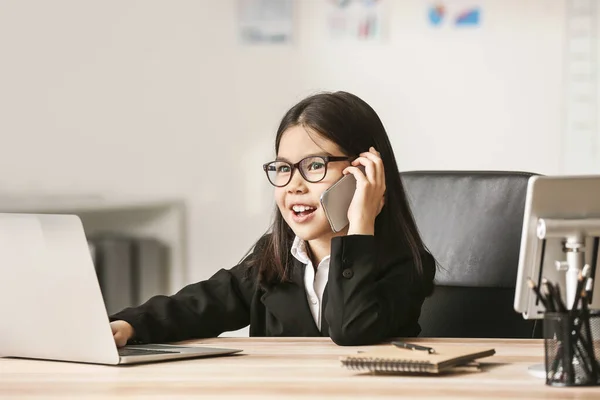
column 300, row 208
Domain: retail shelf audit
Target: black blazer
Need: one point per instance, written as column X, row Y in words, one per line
column 363, row 303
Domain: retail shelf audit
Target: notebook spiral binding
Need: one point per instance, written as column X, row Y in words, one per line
column 386, row 365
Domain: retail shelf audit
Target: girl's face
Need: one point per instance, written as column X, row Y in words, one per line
column 298, row 201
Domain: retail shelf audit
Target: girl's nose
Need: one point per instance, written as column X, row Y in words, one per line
column 297, row 184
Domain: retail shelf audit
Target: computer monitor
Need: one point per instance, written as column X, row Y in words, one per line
column 555, row 199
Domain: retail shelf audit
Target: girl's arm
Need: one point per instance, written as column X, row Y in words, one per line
column 200, row 310
column 369, row 303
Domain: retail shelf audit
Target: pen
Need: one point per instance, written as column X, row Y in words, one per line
column 411, row 346
column 589, row 285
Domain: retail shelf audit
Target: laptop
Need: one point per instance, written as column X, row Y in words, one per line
column 50, row 299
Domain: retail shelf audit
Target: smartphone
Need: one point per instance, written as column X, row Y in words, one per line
column 336, row 202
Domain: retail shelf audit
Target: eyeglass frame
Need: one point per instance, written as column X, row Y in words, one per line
column 296, row 166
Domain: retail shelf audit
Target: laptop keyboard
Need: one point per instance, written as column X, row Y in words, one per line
column 124, row 352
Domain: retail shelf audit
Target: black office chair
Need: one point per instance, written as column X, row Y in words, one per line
column 471, row 222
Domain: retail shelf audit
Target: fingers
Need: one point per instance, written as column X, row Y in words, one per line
column 369, row 167
column 120, row 338
column 361, row 179
column 373, row 164
column 121, row 331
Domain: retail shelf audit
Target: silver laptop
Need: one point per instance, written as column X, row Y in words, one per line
column 50, row 299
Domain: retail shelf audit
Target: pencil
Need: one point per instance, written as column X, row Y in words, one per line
column 536, row 290
column 550, row 296
column 561, row 306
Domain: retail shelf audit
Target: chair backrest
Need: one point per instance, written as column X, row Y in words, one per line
column 471, row 222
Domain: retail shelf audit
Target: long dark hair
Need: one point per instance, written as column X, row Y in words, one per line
column 354, row 126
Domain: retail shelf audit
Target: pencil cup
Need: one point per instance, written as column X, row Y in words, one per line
column 572, row 348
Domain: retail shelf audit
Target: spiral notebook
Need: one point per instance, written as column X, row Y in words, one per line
column 391, row 359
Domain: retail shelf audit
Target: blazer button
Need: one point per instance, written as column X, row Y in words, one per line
column 347, row 273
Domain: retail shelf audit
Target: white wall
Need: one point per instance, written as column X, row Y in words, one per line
column 158, row 98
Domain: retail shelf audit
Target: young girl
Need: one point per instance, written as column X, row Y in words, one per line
column 359, row 286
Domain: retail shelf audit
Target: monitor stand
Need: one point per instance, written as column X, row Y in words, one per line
column 537, row 370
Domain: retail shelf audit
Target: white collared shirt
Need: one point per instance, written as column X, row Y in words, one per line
column 313, row 283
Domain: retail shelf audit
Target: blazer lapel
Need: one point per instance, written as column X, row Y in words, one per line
column 287, row 304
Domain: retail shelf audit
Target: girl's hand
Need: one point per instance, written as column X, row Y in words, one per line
column 369, row 198
column 122, row 332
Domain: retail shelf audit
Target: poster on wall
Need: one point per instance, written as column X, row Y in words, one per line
column 355, row 19
column 454, row 14
column 265, row 21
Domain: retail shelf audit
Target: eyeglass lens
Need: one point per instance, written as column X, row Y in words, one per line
column 313, row 169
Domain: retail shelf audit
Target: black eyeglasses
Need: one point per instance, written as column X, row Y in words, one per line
column 312, row 168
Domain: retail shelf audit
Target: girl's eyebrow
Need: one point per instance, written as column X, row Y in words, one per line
column 323, row 154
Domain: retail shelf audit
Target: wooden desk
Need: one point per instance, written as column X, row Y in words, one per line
column 272, row 368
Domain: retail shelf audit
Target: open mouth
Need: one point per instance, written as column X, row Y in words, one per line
column 301, row 210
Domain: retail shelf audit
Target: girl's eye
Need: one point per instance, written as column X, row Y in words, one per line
column 315, row 165
column 282, row 169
